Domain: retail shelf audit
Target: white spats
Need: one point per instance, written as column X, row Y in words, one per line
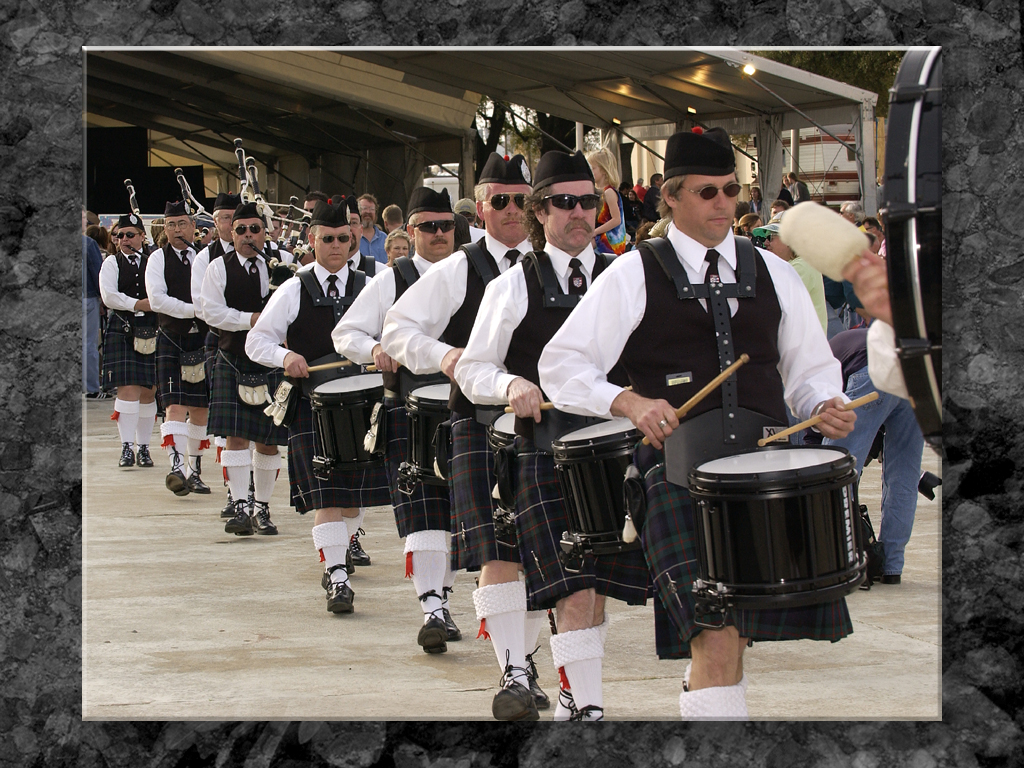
column 503, row 607
column 197, row 443
column 580, row 653
column 265, row 468
column 127, row 419
column 237, row 465
column 724, row 702
column 822, row 237
column 331, row 540
column 147, row 418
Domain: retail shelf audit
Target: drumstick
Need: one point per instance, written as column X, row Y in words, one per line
column 708, row 388
column 327, row 366
column 543, row 407
column 815, row 419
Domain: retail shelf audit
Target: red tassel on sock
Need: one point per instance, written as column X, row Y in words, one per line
column 483, row 631
column 114, row 415
column 204, row 445
column 322, row 558
column 408, row 565
column 563, row 681
column 219, row 449
column 168, row 441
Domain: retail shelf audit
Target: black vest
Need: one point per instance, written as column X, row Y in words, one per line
column 243, row 293
column 310, row 332
column 366, row 264
column 217, row 250
column 131, row 280
column 405, row 275
column 178, row 278
column 657, row 352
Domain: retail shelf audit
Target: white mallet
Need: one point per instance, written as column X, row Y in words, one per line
column 822, row 237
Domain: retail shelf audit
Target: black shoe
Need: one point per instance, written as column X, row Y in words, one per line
column 514, row 701
column 142, row 457
column 241, row 523
column 340, row 598
column 264, row 526
column 176, row 483
column 589, row 712
column 541, row 698
column 229, row 510
column 891, row 578
column 355, row 549
column 927, row 484
column 454, row 633
column 350, row 567
column 433, row 636
column 97, row 396
column 127, row 456
column 195, row 482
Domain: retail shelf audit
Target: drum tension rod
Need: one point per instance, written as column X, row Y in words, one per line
column 908, row 349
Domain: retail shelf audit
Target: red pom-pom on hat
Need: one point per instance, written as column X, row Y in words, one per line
column 697, row 129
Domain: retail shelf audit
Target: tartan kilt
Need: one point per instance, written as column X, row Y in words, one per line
column 122, row 365
column 429, row 506
column 472, row 464
column 171, row 390
column 669, row 540
column 212, row 339
column 355, row 487
column 229, row 416
column 541, row 518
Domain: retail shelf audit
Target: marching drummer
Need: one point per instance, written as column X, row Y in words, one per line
column 301, row 314
column 424, row 516
column 235, row 291
column 518, row 314
column 444, row 305
column 671, row 345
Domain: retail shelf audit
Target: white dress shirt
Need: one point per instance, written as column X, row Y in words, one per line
column 263, row 344
column 112, row 298
column 199, row 266
column 884, row 367
column 359, row 330
column 417, row 319
column 575, row 362
column 215, row 307
column 156, row 286
column 481, row 373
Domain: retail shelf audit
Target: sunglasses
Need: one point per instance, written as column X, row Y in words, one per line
column 569, row 202
column 119, row 235
column 710, row 192
column 433, row 227
column 328, row 239
column 254, row 228
column 499, row 202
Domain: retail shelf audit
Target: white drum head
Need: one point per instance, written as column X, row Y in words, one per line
column 351, row 384
column 771, row 461
column 439, row 392
column 617, row 426
column 506, row 424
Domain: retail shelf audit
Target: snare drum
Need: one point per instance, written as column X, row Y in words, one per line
column 428, row 409
column 341, row 419
column 591, row 465
column 501, row 436
column 776, row 528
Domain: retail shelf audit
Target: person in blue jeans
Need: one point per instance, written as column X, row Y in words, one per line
column 92, row 260
column 901, row 451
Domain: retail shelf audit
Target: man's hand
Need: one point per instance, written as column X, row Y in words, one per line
column 655, row 418
column 870, row 282
column 449, row 360
column 295, row 365
column 142, row 305
column 525, row 398
column 254, row 318
column 383, row 361
column 835, row 423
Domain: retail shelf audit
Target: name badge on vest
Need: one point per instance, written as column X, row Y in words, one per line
column 675, row 379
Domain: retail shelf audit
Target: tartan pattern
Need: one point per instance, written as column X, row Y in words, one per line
column 473, row 479
column 122, row 365
column 212, row 338
column 669, row 541
column 355, row 487
column 429, row 506
column 229, row 416
column 541, row 519
column 171, row 390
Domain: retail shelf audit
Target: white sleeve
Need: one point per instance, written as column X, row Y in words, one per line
column 573, row 366
column 199, row 266
column 156, row 289
column 358, row 331
column 413, row 325
column 883, row 364
column 112, row 298
column 215, row 308
column 481, row 373
column 263, row 344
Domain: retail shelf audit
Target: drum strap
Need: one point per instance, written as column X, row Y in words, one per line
column 408, row 270
column 478, row 258
column 553, row 296
column 356, row 282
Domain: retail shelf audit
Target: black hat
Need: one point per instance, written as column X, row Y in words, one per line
column 246, row 211
column 348, row 202
column 708, row 153
column 130, row 220
column 176, row 208
column 426, row 200
column 331, row 215
column 497, row 170
column 556, row 166
column 226, row 201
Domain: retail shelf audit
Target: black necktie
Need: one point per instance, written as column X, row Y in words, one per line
column 577, row 280
column 332, row 286
column 253, row 271
column 184, row 259
column 512, row 255
column 719, row 308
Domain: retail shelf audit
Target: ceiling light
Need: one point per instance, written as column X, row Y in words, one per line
column 749, row 69
column 691, row 110
column 616, row 121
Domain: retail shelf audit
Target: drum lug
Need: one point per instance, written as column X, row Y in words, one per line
column 573, row 552
column 406, row 483
column 710, row 604
column 322, row 468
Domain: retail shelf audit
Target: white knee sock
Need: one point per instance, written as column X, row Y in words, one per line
column 147, row 418
column 500, row 608
column 580, row 652
column 197, row 443
column 331, row 539
column 533, row 623
column 237, row 465
column 429, row 553
column 175, row 442
column 725, row 702
column 264, row 471
column 355, row 523
column 126, row 412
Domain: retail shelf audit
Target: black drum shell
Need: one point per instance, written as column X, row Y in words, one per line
column 502, row 445
column 341, row 420
column 425, row 416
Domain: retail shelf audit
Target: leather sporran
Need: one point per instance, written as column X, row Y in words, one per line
column 376, row 440
column 145, row 339
column 193, row 366
column 253, row 389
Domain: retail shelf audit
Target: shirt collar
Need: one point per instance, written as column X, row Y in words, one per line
column 228, row 246
column 322, row 274
column 693, row 253
column 243, row 260
column 498, row 250
column 422, row 265
column 560, row 260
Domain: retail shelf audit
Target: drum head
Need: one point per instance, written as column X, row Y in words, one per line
column 505, row 424
column 758, row 462
column 351, row 384
column 612, row 427
column 438, row 392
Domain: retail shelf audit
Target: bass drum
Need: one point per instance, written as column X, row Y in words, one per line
column 912, row 216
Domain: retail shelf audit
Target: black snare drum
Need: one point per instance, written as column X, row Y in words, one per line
column 591, row 465
column 776, row 528
column 428, row 409
column 341, row 419
column 912, row 215
column 501, row 436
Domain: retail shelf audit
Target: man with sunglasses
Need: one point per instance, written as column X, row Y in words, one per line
column 235, row 290
column 128, row 365
column 444, row 305
column 180, row 340
column 671, row 346
column 301, row 314
column 519, row 312
column 424, row 515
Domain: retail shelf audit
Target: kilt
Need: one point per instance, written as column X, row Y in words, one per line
column 669, row 541
column 212, row 338
column 429, row 506
column 171, row 390
column 122, row 365
column 472, row 469
column 355, row 487
column 229, row 416
column 541, row 518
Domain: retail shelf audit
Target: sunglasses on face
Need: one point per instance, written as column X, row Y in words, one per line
column 328, row 239
column 569, row 202
column 433, row 227
column 119, row 235
column 499, row 202
column 710, row 192
column 254, row 228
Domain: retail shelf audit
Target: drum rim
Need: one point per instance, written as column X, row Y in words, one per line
column 420, row 398
column 706, row 484
column 355, row 377
column 607, row 441
column 606, row 422
column 355, row 396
